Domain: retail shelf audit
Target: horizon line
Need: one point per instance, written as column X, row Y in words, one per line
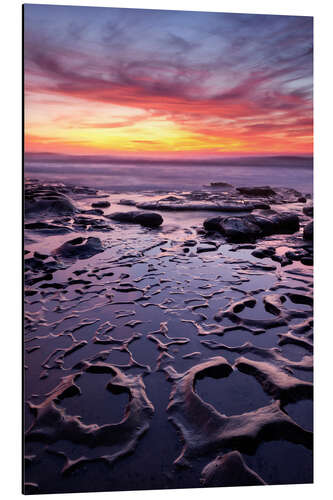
column 232, row 160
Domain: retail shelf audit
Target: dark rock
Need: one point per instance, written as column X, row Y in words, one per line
column 101, row 204
column 298, row 298
column 92, row 223
column 171, row 198
column 236, row 229
column 36, row 265
column 94, row 211
column 47, row 228
column 308, row 210
column 72, row 281
column 189, row 243
column 239, row 229
column 261, row 206
column 40, row 256
column 78, row 272
column 262, row 253
column 264, row 267
column 36, row 225
column 285, row 261
column 212, row 224
column 307, row 261
column 296, row 254
column 47, row 200
column 301, row 199
column 220, row 184
column 248, row 246
column 285, row 223
column 270, row 250
column 62, row 220
column 33, row 264
column 289, row 195
column 251, row 227
column 148, row 219
column 266, row 225
column 57, row 286
column 308, row 232
column 76, row 241
column 206, row 248
column 130, row 203
column 83, row 220
column 85, row 190
column 44, row 277
column 80, row 248
column 257, row 191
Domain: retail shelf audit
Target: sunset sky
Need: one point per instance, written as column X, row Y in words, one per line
column 166, row 83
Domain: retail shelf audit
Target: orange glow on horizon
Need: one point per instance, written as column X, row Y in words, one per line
column 135, row 132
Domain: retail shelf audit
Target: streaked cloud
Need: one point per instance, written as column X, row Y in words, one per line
column 167, row 81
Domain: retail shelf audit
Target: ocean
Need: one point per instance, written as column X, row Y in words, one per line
column 131, row 177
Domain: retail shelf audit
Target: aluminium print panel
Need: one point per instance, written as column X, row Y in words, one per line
column 168, row 249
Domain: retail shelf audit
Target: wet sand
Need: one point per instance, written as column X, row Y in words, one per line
column 171, row 356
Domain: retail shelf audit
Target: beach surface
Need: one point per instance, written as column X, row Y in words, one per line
column 168, row 331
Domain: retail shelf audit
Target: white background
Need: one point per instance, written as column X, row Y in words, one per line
column 10, row 234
